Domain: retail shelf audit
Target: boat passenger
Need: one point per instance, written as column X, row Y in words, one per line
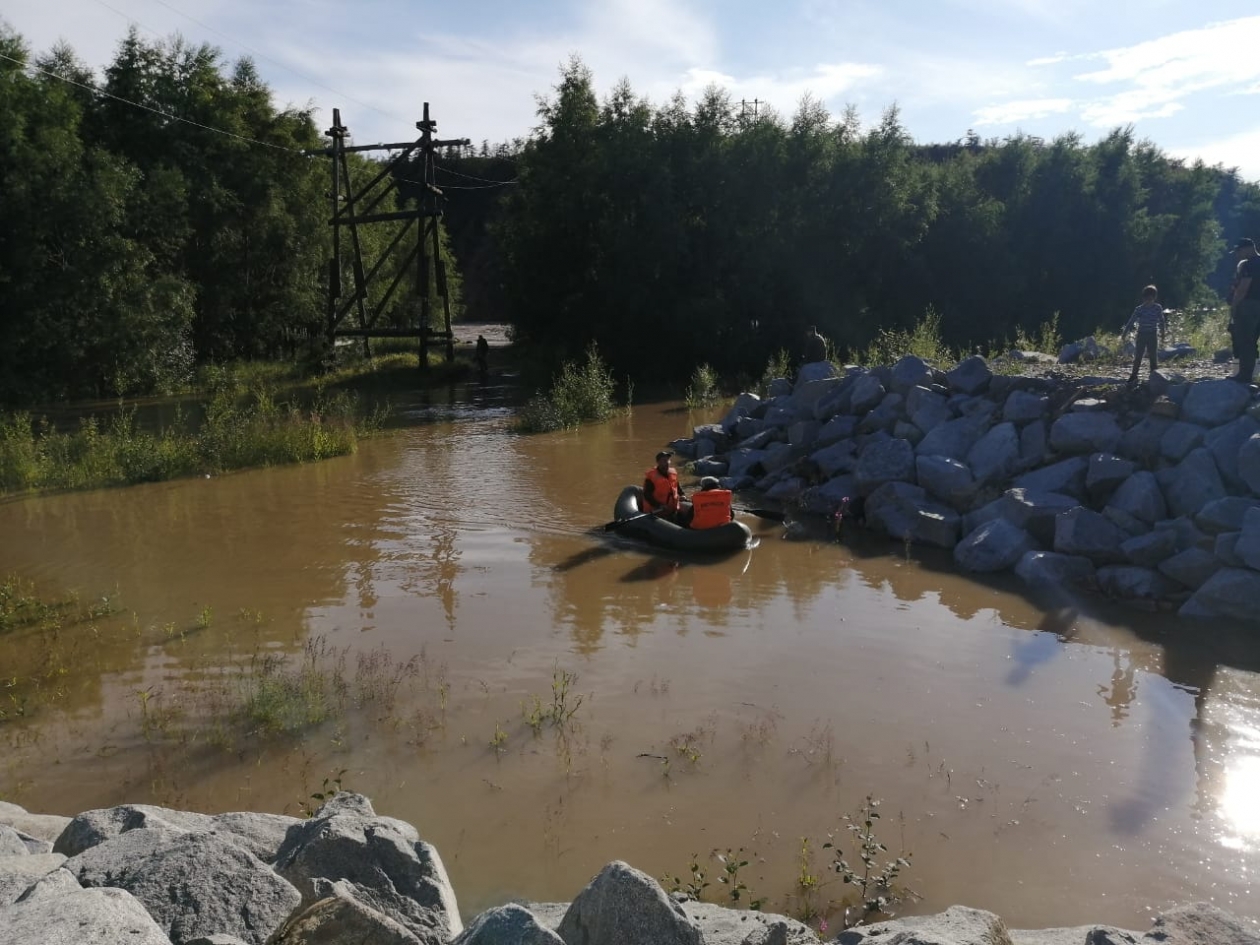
column 663, row 494
column 711, row 506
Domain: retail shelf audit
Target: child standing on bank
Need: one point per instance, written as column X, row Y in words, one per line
column 1149, row 318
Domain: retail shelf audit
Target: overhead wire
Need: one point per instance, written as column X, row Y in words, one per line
column 148, row 108
column 483, row 180
column 207, row 56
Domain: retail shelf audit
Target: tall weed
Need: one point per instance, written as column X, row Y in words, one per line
column 923, row 340
column 580, row 393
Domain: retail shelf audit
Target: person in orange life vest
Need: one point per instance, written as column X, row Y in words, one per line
column 662, row 493
column 711, row 506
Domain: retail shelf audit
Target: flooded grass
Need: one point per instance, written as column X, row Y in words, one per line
column 242, row 427
column 580, row 393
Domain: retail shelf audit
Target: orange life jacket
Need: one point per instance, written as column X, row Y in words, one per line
column 664, row 491
column 712, row 508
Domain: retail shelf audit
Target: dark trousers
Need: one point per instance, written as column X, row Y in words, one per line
column 1246, row 331
column 1147, row 344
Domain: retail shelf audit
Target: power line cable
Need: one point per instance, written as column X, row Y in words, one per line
column 483, row 180
column 262, row 55
column 149, row 108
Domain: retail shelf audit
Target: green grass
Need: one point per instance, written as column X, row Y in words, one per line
column 579, row 394
column 242, row 427
column 923, row 340
column 703, row 390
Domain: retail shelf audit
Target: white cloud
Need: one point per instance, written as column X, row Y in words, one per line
column 1238, row 150
column 1009, row 113
column 827, row 82
column 1158, row 75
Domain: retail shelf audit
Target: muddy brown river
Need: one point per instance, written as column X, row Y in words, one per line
column 451, row 587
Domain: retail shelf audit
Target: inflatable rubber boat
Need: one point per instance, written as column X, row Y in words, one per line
column 632, row 522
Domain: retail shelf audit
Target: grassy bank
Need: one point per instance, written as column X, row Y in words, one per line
column 241, row 427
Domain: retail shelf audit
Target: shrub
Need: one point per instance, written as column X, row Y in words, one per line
column 580, row 393
column 703, row 389
column 923, row 340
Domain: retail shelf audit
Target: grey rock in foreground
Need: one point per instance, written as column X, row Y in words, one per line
column 383, row 861
column 1200, row 924
column 42, row 826
column 337, row 919
column 95, row 916
column 260, row 834
column 19, row 873
column 191, row 884
column 623, row 906
column 721, row 926
column 507, row 925
column 957, row 925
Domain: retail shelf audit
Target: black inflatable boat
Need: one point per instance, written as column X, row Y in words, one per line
column 657, row 531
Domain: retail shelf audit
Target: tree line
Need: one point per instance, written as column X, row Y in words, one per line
column 160, row 217
column 683, row 233
column 163, row 216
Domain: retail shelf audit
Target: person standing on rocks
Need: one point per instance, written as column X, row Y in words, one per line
column 1149, row 319
column 1244, row 313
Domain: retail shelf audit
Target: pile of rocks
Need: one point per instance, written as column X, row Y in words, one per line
column 146, row 875
column 1151, row 496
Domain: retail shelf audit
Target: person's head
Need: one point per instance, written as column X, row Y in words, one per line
column 662, row 460
column 1150, row 294
column 1245, row 247
column 709, row 483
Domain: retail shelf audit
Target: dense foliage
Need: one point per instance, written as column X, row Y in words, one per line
column 156, row 218
column 681, row 233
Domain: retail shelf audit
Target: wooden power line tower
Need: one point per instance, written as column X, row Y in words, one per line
column 354, row 207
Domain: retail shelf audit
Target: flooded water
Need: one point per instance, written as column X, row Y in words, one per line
column 453, row 581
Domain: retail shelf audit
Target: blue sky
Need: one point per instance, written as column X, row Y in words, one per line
column 1185, row 75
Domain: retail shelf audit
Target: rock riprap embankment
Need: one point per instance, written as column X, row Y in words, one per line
column 145, row 875
column 1151, row 496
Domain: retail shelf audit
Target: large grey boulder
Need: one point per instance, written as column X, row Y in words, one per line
column 927, row 409
column 1106, row 473
column 722, row 926
column 884, row 416
column 1226, row 443
column 1225, row 550
column 804, row 433
column 1085, row 532
column 12, row 844
column 19, row 873
column 337, row 919
column 997, row 545
column 42, row 826
column 623, row 906
column 51, row 885
column 815, row 371
column 1023, row 407
column 260, row 834
column 805, row 397
column 954, row 438
column 1143, row 440
column 507, row 925
column 743, row 407
column 1130, row 583
column 836, row 459
column 1080, row 935
column 889, row 461
column 1211, row 403
column 1085, row 433
column 957, row 925
column 1192, row 483
column 836, row 429
column 1225, row 515
column 1200, row 924
column 1249, row 463
column 946, row 479
column 383, row 860
column 826, row 498
column 1248, row 545
column 740, row 461
column 910, row 372
column 1230, row 592
column 1191, row 567
column 1036, row 512
column 96, row 916
column 1033, row 445
column 191, row 883
column 1141, row 496
column 995, row 456
column 867, row 393
column 1179, row 439
column 1049, row 570
column 971, row 376
column 1150, row 549
column 715, row 433
column 1067, row 477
